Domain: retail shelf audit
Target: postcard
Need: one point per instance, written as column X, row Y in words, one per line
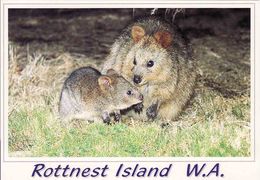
column 129, row 89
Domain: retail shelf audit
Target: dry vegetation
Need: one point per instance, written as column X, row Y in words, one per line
column 211, row 126
column 215, row 123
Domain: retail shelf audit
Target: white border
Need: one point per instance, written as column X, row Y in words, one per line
column 116, row 4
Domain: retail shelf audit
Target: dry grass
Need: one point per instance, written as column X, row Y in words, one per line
column 212, row 125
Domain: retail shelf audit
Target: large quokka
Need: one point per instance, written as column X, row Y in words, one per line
column 153, row 55
column 89, row 95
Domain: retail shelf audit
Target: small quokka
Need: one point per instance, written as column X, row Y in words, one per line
column 153, row 55
column 89, row 95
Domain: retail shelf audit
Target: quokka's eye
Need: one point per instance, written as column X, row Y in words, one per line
column 129, row 93
column 150, row 63
column 134, row 61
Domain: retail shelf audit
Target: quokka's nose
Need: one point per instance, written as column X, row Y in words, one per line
column 137, row 79
column 141, row 97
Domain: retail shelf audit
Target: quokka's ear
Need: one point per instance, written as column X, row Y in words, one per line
column 104, row 82
column 164, row 38
column 137, row 33
column 111, row 72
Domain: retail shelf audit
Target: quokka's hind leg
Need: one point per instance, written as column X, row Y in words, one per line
column 66, row 107
column 70, row 106
column 169, row 112
column 152, row 111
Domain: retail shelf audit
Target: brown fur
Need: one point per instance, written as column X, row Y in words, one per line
column 171, row 79
column 89, row 95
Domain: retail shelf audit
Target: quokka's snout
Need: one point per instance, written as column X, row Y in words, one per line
column 137, row 79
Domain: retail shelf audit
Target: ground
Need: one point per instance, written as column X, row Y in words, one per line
column 46, row 45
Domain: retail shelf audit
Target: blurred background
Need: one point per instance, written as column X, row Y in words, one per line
column 220, row 37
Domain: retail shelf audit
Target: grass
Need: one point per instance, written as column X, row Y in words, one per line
column 210, row 126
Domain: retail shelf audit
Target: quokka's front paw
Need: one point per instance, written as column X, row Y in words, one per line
column 118, row 117
column 138, row 108
column 151, row 111
column 106, row 118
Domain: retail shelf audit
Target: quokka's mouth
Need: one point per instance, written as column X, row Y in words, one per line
column 141, row 84
column 139, row 101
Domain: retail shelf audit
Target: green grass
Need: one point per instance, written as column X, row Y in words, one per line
column 41, row 134
column 211, row 125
